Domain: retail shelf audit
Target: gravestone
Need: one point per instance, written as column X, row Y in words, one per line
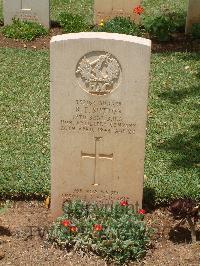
column 27, row 10
column 193, row 14
column 108, row 9
column 99, row 91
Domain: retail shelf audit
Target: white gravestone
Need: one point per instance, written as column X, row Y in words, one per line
column 27, row 10
column 99, row 91
column 108, row 9
column 193, row 14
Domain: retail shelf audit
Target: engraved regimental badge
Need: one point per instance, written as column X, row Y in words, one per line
column 98, row 73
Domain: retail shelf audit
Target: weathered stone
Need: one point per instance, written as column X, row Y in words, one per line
column 193, row 14
column 99, row 90
column 2, row 254
column 108, row 9
column 29, row 10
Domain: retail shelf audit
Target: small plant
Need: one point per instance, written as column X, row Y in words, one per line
column 72, row 22
column 120, row 25
column 24, row 30
column 163, row 25
column 114, row 232
column 179, row 21
column 159, row 27
column 186, row 210
column 196, row 31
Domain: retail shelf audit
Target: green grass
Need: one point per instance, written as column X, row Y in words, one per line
column 172, row 158
column 85, row 7
column 154, row 7
column 172, row 150
column 24, row 131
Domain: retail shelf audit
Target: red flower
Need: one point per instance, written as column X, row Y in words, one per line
column 98, row 227
column 73, row 228
column 66, row 223
column 124, row 203
column 138, row 10
column 141, row 211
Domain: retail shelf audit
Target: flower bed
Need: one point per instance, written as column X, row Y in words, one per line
column 116, row 232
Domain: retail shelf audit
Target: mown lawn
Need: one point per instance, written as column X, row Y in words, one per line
column 172, row 157
column 173, row 140
column 24, row 129
column 154, row 7
column 85, row 7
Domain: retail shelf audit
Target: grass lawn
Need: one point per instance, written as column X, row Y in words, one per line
column 172, row 158
column 73, row 6
column 152, row 7
column 24, row 130
column 56, row 6
column 173, row 140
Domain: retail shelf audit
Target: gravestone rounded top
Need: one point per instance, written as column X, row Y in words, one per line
column 27, row 10
column 102, row 36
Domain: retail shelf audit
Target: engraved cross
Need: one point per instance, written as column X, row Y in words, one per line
column 96, row 157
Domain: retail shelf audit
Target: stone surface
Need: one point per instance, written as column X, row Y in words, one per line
column 108, row 9
column 2, row 255
column 193, row 14
column 99, row 91
column 31, row 10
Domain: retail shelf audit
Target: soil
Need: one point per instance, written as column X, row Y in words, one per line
column 37, row 44
column 178, row 43
column 23, row 240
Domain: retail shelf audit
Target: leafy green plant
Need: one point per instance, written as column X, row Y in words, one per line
column 72, row 22
column 159, row 27
column 114, row 232
column 24, row 30
column 120, row 25
column 179, row 21
column 162, row 26
column 196, row 31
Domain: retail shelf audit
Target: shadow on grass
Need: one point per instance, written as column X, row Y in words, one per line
column 185, row 148
column 188, row 56
column 181, row 235
column 176, row 96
